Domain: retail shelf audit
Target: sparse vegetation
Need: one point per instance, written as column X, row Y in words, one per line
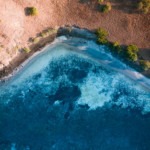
column 51, row 31
column 133, row 48
column 100, row 32
column 16, row 48
column 35, row 40
column 26, row 49
column 32, row 11
column 43, row 34
column 145, row 64
column 102, row 36
column 100, row 1
column 1, row 47
column 116, row 47
column 102, row 40
column 132, row 56
column 128, row 53
column 106, row 8
column 131, row 52
column 144, row 6
column 47, row 32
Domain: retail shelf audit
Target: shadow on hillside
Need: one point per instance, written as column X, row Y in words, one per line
column 92, row 4
column 26, row 11
column 126, row 6
column 84, row 1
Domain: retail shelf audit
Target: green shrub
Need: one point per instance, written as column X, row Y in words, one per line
column 51, row 31
column 132, row 56
column 32, row 11
column 102, row 36
column 116, row 47
column 133, row 48
column 140, row 5
column 145, row 10
column 35, row 40
column 48, row 32
column 26, row 49
column 106, row 8
column 100, row 1
column 132, row 52
column 144, row 6
column 145, row 64
column 100, row 32
column 43, row 34
column 102, row 40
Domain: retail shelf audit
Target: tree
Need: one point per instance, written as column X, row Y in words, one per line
column 32, row 11
column 133, row 48
column 100, row 32
column 144, row 6
column 102, row 40
column 100, row 1
column 116, row 47
column 145, row 64
column 102, row 36
column 26, row 49
column 106, row 8
column 132, row 56
column 131, row 52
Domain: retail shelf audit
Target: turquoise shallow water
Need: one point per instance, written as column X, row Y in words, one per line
column 75, row 95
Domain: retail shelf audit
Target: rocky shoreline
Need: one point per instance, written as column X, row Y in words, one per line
column 70, row 31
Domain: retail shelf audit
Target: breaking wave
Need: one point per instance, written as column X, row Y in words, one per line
column 68, row 76
column 64, row 66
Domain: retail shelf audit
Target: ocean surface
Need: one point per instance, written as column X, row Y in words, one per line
column 75, row 95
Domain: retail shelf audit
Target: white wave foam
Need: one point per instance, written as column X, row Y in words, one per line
column 92, row 92
column 99, row 89
column 100, row 54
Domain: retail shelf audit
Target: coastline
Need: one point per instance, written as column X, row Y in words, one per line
column 40, row 46
column 123, row 23
column 18, row 63
column 64, row 84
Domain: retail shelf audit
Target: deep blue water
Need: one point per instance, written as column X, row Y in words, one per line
column 64, row 99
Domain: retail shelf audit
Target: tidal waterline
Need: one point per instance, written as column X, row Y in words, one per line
column 74, row 95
